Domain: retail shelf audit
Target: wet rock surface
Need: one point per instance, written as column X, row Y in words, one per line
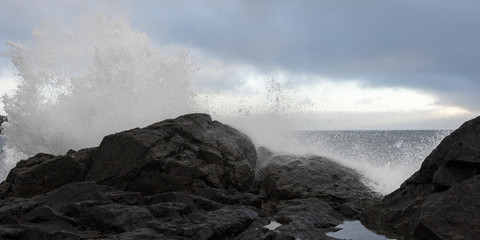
column 169, row 155
column 186, row 178
column 308, row 195
column 441, row 200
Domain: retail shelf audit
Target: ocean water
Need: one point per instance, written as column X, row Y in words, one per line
column 385, row 158
column 406, row 147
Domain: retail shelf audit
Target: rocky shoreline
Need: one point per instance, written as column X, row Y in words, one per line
column 185, row 178
column 194, row 178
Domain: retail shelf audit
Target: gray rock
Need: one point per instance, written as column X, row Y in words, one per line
column 138, row 234
column 117, row 217
column 230, row 196
column 45, row 172
column 222, row 223
column 192, row 201
column 292, row 177
column 307, row 218
column 440, row 201
column 87, row 210
column 170, row 155
column 309, row 196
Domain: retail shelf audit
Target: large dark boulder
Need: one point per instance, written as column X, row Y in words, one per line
column 291, row 177
column 174, row 154
column 170, row 155
column 441, row 200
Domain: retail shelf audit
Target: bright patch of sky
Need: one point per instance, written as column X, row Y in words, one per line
column 277, row 93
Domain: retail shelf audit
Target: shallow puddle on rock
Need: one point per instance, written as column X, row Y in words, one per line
column 273, row 225
column 354, row 230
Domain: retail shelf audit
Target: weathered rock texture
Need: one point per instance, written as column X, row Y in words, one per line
column 309, row 196
column 166, row 156
column 186, row 178
column 442, row 199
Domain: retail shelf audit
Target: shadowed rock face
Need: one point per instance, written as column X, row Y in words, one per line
column 184, row 178
column 87, row 210
column 173, row 154
column 166, row 156
column 442, row 199
column 309, row 196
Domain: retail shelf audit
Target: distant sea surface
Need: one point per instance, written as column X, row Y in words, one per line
column 381, row 147
column 385, row 158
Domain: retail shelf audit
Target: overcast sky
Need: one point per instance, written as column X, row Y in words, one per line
column 416, row 63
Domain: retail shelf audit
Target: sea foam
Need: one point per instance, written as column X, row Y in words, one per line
column 94, row 77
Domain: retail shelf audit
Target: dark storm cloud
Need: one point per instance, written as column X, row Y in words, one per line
column 430, row 45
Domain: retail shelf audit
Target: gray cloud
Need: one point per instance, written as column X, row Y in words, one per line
column 426, row 44
column 429, row 45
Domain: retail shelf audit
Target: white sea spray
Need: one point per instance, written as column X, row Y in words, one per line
column 94, row 77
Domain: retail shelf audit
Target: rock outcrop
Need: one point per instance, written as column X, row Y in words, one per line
column 166, row 156
column 309, row 196
column 86, row 210
column 442, row 199
column 184, row 178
